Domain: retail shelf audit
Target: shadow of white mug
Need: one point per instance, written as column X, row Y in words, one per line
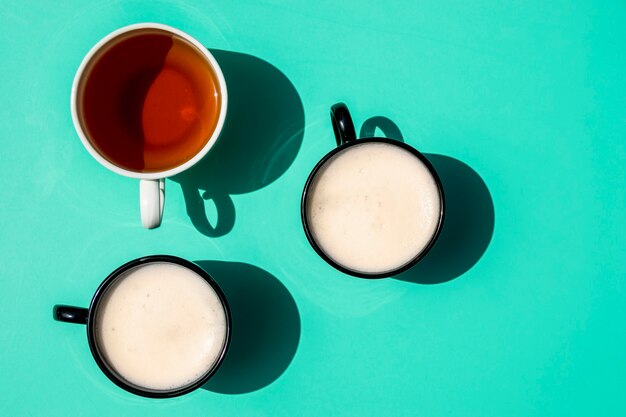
column 151, row 184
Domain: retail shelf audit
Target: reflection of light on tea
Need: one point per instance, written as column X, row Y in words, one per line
column 189, row 113
column 163, row 121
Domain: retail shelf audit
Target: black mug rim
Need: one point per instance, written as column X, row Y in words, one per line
column 91, row 330
column 414, row 260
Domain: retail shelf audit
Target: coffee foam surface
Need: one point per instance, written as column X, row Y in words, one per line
column 161, row 326
column 373, row 207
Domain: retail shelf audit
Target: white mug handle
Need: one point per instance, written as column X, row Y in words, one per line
column 151, row 199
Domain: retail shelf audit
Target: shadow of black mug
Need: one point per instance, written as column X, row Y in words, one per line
column 346, row 138
column 88, row 316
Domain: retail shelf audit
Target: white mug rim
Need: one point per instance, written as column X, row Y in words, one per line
column 159, row 174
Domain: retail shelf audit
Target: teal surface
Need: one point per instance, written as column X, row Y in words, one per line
column 521, row 309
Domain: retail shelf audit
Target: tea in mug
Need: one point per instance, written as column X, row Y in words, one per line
column 149, row 100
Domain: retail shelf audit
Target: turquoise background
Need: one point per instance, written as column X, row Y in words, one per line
column 523, row 316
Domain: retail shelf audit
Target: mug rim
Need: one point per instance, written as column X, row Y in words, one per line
column 91, row 328
column 360, row 274
column 215, row 135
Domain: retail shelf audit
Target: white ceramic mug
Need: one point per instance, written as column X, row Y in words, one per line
column 151, row 184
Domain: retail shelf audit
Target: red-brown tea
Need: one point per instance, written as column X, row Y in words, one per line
column 149, row 101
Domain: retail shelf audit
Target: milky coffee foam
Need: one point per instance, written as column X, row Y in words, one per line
column 161, row 326
column 373, row 207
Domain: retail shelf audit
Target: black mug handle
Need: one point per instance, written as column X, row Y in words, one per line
column 342, row 124
column 70, row 314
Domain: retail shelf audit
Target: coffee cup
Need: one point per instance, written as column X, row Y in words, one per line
column 148, row 102
column 371, row 207
column 158, row 326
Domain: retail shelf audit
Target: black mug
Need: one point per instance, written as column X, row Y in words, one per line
column 346, row 138
column 87, row 316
